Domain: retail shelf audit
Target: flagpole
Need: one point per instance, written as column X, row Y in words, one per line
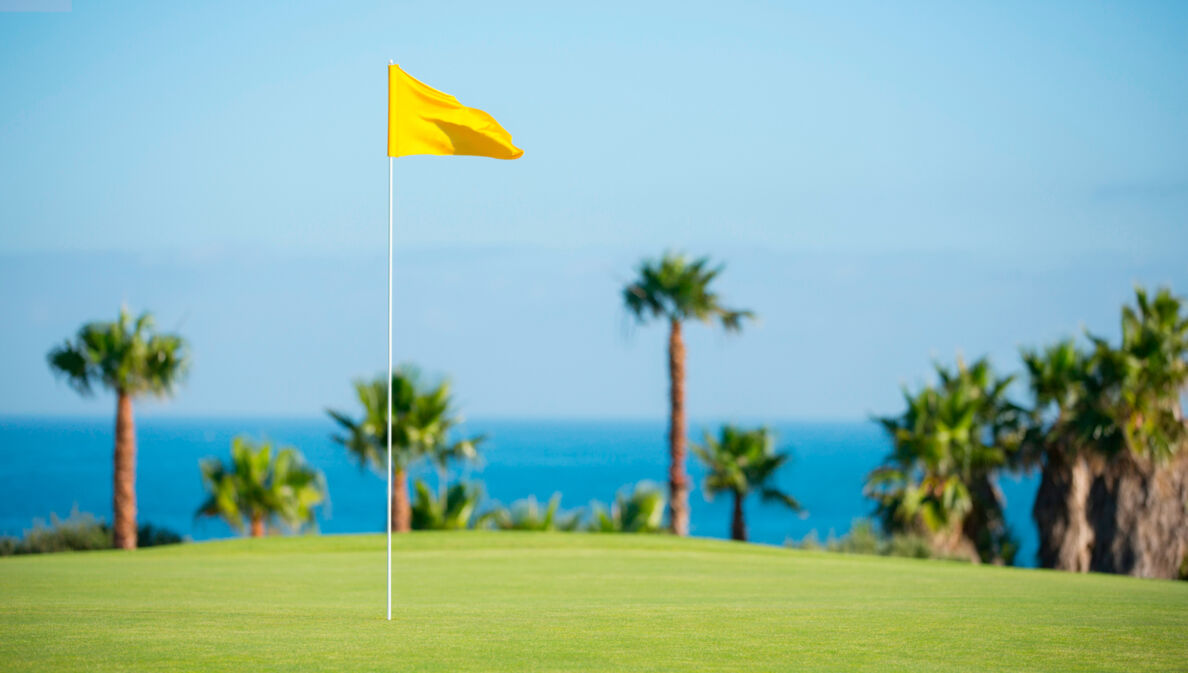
column 388, row 433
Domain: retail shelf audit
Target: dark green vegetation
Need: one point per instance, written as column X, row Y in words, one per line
column 455, row 509
column 259, row 488
column 938, row 481
column 638, row 509
column 1105, row 428
column 677, row 289
column 129, row 358
column 79, row 532
column 570, row 602
column 1109, row 436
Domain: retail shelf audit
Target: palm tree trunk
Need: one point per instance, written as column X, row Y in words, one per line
column 738, row 524
column 124, row 480
column 678, row 481
column 401, row 511
column 1061, row 511
column 257, row 525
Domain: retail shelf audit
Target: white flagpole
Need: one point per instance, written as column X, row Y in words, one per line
column 388, row 505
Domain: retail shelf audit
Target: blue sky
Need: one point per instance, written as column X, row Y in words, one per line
column 886, row 183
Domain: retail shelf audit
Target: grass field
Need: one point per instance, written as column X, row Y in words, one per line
column 569, row 602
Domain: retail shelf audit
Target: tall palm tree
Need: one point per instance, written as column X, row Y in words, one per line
column 948, row 446
column 367, row 440
column 130, row 358
column 676, row 289
column 432, row 423
column 741, row 462
column 257, row 486
column 423, row 422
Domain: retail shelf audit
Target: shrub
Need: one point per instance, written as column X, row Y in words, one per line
column 149, row 535
column 863, row 538
column 453, row 510
column 530, row 514
column 81, row 531
column 638, row 509
column 866, row 538
column 911, row 546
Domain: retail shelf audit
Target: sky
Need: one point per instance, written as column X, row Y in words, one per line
column 887, row 184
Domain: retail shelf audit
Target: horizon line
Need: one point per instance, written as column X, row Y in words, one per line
column 725, row 418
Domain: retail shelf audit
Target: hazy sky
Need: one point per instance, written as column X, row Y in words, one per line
column 887, row 183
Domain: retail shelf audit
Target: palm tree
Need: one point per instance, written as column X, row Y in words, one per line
column 639, row 510
column 948, row 446
column 432, row 424
column 678, row 289
column 1141, row 381
column 741, row 462
column 1057, row 377
column 367, row 440
column 423, row 421
column 257, row 487
column 452, row 510
column 128, row 357
column 1108, row 431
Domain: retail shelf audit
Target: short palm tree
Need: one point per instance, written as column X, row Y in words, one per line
column 452, row 510
column 741, row 462
column 258, row 487
column 677, row 289
column 130, row 358
column 423, row 422
column 637, row 510
column 948, row 446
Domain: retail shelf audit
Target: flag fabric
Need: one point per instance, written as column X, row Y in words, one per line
column 423, row 120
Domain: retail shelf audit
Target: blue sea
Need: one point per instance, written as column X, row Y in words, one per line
column 54, row 465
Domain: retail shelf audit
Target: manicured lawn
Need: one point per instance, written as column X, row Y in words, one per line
column 569, row 602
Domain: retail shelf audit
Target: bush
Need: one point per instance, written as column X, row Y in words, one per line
column 149, row 535
column 866, row 538
column 530, row 514
column 453, row 510
column 911, row 546
column 638, row 509
column 810, row 542
column 863, row 538
column 81, row 531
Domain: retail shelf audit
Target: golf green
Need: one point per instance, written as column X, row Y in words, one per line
column 488, row 601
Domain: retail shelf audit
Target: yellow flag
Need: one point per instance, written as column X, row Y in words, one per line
column 423, row 120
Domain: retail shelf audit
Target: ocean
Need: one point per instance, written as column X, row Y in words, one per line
column 55, row 464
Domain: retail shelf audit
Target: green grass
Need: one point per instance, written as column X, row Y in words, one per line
column 569, row 602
